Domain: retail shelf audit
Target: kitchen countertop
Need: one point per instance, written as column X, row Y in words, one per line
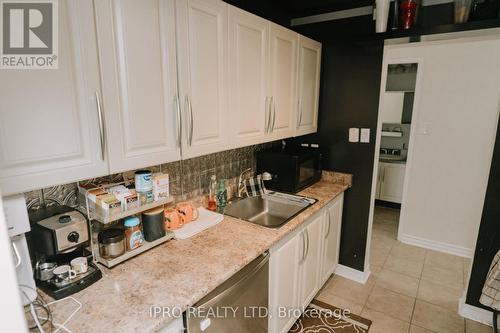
column 177, row 274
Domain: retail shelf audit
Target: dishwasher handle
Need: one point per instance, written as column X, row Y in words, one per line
column 242, row 276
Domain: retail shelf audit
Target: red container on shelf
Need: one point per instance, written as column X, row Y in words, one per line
column 408, row 13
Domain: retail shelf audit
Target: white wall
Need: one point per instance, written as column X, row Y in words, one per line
column 455, row 117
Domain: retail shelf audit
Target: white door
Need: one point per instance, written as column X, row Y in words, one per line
column 49, row 122
column 137, row 50
column 308, row 90
column 283, row 283
column 331, row 237
column 392, row 182
column 310, row 265
column 202, row 63
column 283, row 84
column 248, row 77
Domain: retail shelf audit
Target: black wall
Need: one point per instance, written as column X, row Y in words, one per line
column 349, row 96
column 488, row 242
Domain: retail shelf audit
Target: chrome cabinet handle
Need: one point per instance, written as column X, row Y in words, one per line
column 303, row 236
column 274, row 114
column 300, row 114
column 102, row 136
column 307, row 248
column 266, row 115
column 16, row 252
column 383, row 176
column 329, row 224
column 179, row 127
column 192, row 122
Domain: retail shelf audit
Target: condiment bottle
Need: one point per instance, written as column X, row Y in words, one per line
column 212, row 201
column 133, row 234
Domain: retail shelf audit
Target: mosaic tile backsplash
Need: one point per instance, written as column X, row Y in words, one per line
column 188, row 178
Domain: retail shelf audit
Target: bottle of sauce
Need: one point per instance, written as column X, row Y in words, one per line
column 212, row 201
column 133, row 233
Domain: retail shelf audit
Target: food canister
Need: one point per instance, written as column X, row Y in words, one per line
column 133, row 233
column 111, row 243
column 153, row 224
column 143, row 181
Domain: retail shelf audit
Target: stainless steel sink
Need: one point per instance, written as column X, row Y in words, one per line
column 270, row 210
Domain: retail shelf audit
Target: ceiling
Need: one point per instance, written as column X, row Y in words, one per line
column 284, row 10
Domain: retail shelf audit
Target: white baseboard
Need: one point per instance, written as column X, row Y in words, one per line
column 437, row 246
column 352, row 274
column 474, row 313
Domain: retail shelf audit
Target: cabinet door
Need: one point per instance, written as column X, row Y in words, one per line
column 49, row 123
column 391, row 187
column 137, row 50
column 202, row 54
column 331, row 237
column 283, row 283
column 283, row 90
column 248, row 77
column 308, row 90
column 310, row 265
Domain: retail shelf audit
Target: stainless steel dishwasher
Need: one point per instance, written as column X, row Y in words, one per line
column 238, row 305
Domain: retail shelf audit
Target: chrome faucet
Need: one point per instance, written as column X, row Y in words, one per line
column 241, row 182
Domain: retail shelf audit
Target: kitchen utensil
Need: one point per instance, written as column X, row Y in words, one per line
column 44, row 272
column 153, row 224
column 64, row 272
column 80, row 265
column 172, row 219
column 111, row 243
column 187, row 212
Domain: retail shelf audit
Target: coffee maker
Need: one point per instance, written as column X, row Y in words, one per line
column 58, row 235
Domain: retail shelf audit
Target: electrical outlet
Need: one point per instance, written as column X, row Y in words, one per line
column 365, row 135
column 353, row 134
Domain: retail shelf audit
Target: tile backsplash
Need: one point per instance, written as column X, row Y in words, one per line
column 188, row 178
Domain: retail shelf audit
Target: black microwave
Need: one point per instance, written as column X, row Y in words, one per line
column 291, row 170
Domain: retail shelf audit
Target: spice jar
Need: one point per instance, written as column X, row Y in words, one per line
column 133, row 233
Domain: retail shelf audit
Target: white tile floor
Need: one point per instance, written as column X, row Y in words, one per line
column 411, row 289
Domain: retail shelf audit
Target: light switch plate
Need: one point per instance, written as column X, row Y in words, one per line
column 353, row 134
column 365, row 135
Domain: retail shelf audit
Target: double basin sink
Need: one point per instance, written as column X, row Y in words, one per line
column 271, row 210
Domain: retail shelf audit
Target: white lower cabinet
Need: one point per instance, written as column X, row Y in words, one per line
column 301, row 263
column 331, row 237
column 177, row 326
column 390, row 182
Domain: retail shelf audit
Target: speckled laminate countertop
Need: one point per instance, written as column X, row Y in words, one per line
column 179, row 273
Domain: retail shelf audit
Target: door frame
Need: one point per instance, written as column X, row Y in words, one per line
column 388, row 60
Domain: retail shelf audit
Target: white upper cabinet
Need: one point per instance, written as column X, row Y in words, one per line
column 283, row 82
column 202, row 63
column 249, row 102
column 137, row 51
column 49, row 122
column 308, row 90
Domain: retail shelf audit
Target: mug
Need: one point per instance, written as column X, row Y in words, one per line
column 80, row 265
column 172, row 219
column 187, row 212
column 64, row 272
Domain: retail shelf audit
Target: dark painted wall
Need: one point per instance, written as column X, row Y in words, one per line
column 349, row 97
column 488, row 242
column 277, row 11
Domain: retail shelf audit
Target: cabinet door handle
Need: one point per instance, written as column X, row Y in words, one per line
column 192, row 122
column 16, row 252
column 300, row 113
column 329, row 224
column 274, row 114
column 266, row 115
column 383, row 176
column 303, row 236
column 179, row 127
column 102, row 136
column 307, row 248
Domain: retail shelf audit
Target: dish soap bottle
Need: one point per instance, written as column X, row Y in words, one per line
column 212, row 187
column 221, row 195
